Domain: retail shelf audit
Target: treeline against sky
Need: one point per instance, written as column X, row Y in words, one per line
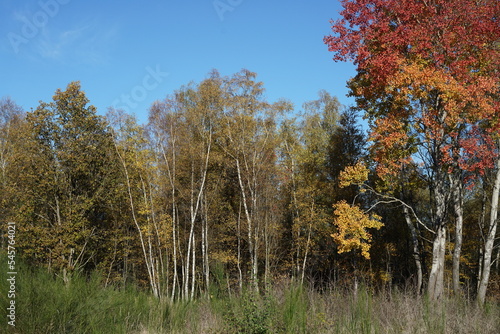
column 222, row 186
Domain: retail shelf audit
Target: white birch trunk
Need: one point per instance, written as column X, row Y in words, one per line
column 250, row 225
column 149, row 265
column 436, row 277
column 415, row 248
column 458, row 208
column 490, row 239
column 239, row 251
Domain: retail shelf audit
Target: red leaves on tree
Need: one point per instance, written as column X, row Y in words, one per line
column 426, row 69
column 479, row 151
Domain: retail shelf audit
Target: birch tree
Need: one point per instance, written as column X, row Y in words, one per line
column 183, row 125
column 12, row 123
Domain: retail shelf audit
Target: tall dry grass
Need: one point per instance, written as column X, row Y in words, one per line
column 45, row 304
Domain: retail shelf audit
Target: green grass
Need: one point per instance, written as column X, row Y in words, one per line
column 45, row 304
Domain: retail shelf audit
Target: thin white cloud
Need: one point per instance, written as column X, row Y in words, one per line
column 46, row 47
column 85, row 44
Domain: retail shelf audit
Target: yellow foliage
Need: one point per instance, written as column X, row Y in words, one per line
column 384, row 276
column 352, row 224
column 356, row 174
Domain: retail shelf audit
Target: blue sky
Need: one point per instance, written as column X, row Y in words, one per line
column 130, row 53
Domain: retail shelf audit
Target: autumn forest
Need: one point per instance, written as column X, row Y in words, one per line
column 223, row 187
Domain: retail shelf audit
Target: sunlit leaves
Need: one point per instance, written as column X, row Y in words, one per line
column 351, row 221
column 425, row 68
column 352, row 225
column 356, row 174
column 64, row 187
column 428, row 80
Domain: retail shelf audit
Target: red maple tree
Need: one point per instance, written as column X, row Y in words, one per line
column 428, row 78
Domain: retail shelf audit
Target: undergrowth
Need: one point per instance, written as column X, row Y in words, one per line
column 46, row 304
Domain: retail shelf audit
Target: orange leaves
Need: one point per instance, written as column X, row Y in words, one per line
column 419, row 80
column 389, row 132
column 352, row 228
column 392, row 143
column 426, row 71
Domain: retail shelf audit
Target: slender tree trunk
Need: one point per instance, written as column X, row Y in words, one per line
column 480, row 241
column 256, row 223
column 267, row 251
column 415, row 248
column 126, row 262
column 152, row 262
column 250, row 231
column 193, row 269
column 203, row 255
column 185, row 273
column 151, row 222
column 175, row 279
column 303, row 270
column 194, row 209
column 490, row 238
column 239, row 250
column 160, row 267
column 308, row 242
column 191, row 234
column 498, row 261
column 207, row 260
column 166, row 272
column 296, row 213
column 149, row 265
column 480, row 263
column 174, row 251
column 171, row 172
column 458, row 208
column 204, row 245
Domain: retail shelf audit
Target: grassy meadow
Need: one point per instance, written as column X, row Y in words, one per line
column 45, row 304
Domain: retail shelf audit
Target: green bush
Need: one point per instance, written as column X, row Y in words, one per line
column 248, row 314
